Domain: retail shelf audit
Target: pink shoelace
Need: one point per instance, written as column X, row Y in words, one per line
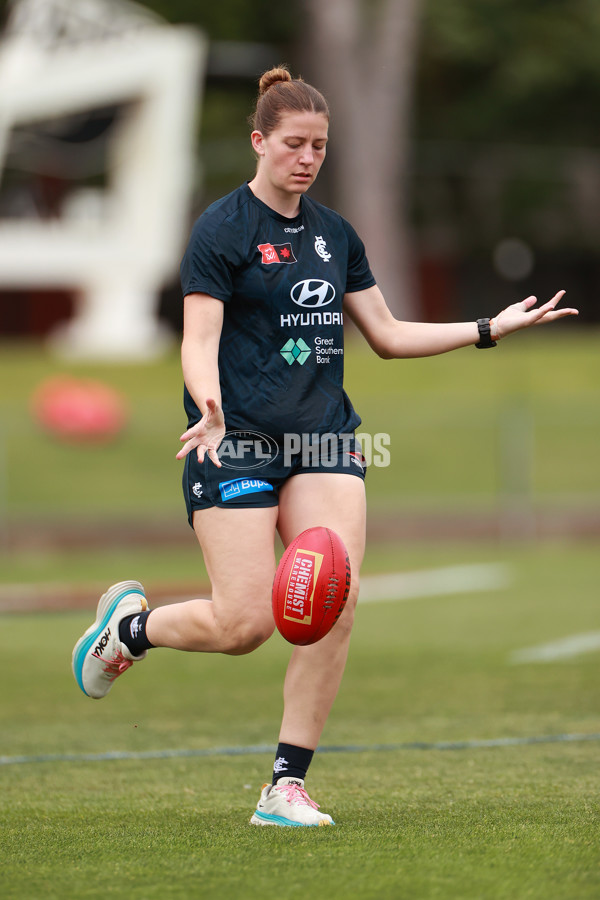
column 296, row 794
column 116, row 665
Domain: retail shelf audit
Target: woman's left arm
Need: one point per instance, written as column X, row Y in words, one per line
column 393, row 339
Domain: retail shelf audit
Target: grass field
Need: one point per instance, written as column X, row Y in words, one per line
column 494, row 822
column 421, row 814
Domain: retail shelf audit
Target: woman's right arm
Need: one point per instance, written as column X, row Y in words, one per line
column 202, row 325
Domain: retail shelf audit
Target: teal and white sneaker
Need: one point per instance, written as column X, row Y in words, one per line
column 287, row 804
column 99, row 656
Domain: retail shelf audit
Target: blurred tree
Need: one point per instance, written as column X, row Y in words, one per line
column 499, row 69
column 506, row 136
column 233, row 20
column 362, row 54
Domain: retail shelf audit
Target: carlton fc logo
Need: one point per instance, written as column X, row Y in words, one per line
column 321, row 248
column 312, row 293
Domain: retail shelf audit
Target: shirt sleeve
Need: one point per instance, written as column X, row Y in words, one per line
column 209, row 261
column 359, row 276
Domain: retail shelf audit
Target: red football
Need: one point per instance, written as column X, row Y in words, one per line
column 311, row 586
column 79, row 409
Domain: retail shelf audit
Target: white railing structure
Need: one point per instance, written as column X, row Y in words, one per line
column 114, row 247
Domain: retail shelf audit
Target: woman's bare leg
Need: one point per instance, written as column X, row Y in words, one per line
column 238, row 548
column 314, row 673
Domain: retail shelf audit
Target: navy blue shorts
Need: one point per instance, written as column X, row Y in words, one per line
column 254, row 467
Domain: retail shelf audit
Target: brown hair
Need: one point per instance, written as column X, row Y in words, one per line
column 279, row 93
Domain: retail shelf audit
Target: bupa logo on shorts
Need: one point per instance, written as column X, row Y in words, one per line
column 312, row 293
column 230, row 490
column 276, row 253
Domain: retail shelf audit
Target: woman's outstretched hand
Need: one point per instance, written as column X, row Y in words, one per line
column 206, row 435
column 522, row 315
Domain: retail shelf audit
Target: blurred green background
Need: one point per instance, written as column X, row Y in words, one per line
column 482, row 445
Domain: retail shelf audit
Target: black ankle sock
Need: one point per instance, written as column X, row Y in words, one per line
column 291, row 762
column 132, row 632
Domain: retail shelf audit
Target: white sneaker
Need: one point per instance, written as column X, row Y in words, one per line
column 99, row 656
column 287, row 803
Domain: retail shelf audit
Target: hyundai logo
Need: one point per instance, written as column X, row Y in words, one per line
column 312, row 292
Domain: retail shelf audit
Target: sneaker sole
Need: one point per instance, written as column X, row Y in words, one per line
column 106, row 606
column 265, row 819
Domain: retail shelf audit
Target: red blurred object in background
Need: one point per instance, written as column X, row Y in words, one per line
column 77, row 409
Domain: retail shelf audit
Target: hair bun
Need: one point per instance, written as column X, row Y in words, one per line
column 273, row 76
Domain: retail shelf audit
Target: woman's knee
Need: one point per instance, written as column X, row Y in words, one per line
column 344, row 624
column 244, row 634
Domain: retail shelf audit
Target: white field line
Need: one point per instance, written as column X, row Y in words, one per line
column 566, row 648
column 112, row 755
column 434, row 582
column 395, row 586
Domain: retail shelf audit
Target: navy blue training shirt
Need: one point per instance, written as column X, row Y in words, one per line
column 281, row 354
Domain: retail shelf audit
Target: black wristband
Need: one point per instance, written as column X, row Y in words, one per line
column 485, row 335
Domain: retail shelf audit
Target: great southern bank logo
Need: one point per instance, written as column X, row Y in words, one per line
column 312, row 293
column 297, row 351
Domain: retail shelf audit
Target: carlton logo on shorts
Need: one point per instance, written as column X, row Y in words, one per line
column 231, row 490
column 312, row 293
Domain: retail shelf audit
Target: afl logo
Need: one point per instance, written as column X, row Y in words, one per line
column 313, row 293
